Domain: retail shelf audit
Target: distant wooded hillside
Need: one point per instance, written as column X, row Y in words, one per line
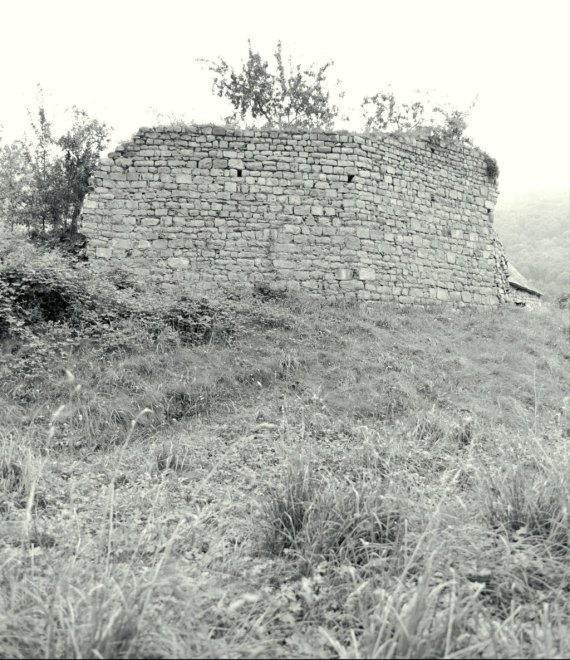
column 535, row 230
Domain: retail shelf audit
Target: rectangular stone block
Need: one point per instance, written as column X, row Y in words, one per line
column 343, row 274
column 351, row 284
column 284, row 263
column 366, row 274
column 122, row 243
column 177, row 262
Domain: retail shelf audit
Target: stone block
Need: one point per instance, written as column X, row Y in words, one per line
column 122, row 243
column 284, row 264
column 343, row 274
column 366, row 274
column 177, row 262
column 351, row 284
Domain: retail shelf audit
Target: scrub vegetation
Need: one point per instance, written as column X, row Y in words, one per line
column 263, row 475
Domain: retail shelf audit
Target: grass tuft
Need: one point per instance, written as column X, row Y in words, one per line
column 323, row 518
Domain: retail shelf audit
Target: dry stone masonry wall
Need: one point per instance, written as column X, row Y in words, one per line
column 524, row 298
column 394, row 218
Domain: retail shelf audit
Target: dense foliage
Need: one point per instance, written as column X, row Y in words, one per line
column 535, row 230
column 51, row 304
column 44, row 177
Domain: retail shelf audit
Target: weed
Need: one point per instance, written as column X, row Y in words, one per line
column 286, row 511
column 532, row 502
column 318, row 518
column 172, row 456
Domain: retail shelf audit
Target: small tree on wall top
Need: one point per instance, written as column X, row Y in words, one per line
column 382, row 112
column 287, row 95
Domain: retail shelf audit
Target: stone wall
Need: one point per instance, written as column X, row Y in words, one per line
column 524, row 297
column 394, row 218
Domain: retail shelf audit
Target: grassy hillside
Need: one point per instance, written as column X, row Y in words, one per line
column 535, row 230
column 261, row 477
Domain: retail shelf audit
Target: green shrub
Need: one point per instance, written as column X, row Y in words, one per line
column 491, row 168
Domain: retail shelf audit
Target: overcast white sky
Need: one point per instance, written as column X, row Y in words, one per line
column 126, row 62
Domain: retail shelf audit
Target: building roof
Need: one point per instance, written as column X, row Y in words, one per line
column 520, row 282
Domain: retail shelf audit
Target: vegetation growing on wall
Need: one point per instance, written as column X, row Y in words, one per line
column 491, row 168
column 286, row 94
column 383, row 112
column 291, row 95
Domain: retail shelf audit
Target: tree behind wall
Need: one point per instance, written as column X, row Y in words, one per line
column 14, row 175
column 81, row 145
column 44, row 178
column 43, row 205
